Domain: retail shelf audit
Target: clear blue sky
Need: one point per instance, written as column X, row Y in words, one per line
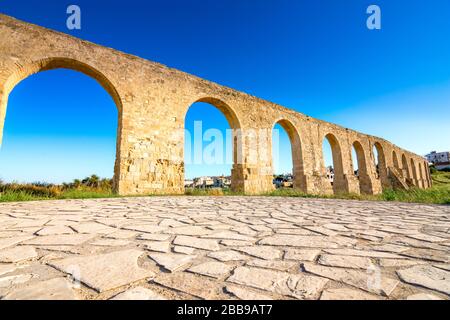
column 316, row 57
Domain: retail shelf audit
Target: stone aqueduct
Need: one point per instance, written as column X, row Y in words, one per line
column 153, row 100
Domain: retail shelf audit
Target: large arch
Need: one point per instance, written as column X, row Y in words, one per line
column 297, row 153
column 24, row 71
column 365, row 184
column 338, row 167
column 235, row 125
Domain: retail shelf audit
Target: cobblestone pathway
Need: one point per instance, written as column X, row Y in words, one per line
column 223, row 248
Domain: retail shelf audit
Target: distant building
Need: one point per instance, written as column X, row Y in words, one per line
column 330, row 174
column 441, row 160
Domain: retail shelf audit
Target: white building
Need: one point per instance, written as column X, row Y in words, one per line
column 441, row 160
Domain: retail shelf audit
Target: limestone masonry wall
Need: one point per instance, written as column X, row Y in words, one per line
column 153, row 100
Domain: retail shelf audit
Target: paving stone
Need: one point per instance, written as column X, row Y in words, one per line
column 189, row 231
column 262, row 252
column 228, row 255
column 212, row 269
column 344, row 261
column 183, row 250
column 205, row 244
column 158, row 246
column 17, row 254
column 145, row 228
column 359, row 279
column 111, row 243
column 60, row 240
column 427, row 276
column 122, row 235
column 154, row 237
column 423, row 296
column 55, row 230
column 7, row 268
column 92, row 227
column 347, row 294
column 298, row 241
column 299, row 286
column 189, row 283
column 138, row 293
column 245, row 294
column 14, row 280
column 271, row 264
column 53, row 289
column 425, row 237
column 228, row 235
column 9, row 242
column 106, row 271
column 363, row 253
column 172, row 262
column 394, row 263
column 236, row 243
column 301, row 254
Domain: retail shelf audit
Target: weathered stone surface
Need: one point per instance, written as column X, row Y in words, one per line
column 18, row 254
column 154, row 237
column 138, row 293
column 228, row 255
column 298, row 241
column 245, row 294
column 423, row 296
column 346, row 294
column 262, row 252
column 301, row 254
column 295, row 285
column 189, row 283
column 106, row 271
column 205, row 244
column 158, row 246
column 54, row 289
column 172, row 262
column 363, row 253
column 344, row 261
column 271, row 264
column 55, row 230
column 14, row 280
column 427, row 276
column 60, row 240
column 9, row 242
column 183, row 250
column 356, row 278
column 7, row 268
column 111, row 243
column 212, row 269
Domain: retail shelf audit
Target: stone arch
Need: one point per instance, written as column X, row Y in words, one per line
column 365, row 184
column 414, row 171
column 237, row 139
column 421, row 180
column 395, row 162
column 382, row 167
column 339, row 184
column 405, row 166
column 25, row 70
column 297, row 153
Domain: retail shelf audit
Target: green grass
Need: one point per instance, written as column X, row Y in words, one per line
column 438, row 194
